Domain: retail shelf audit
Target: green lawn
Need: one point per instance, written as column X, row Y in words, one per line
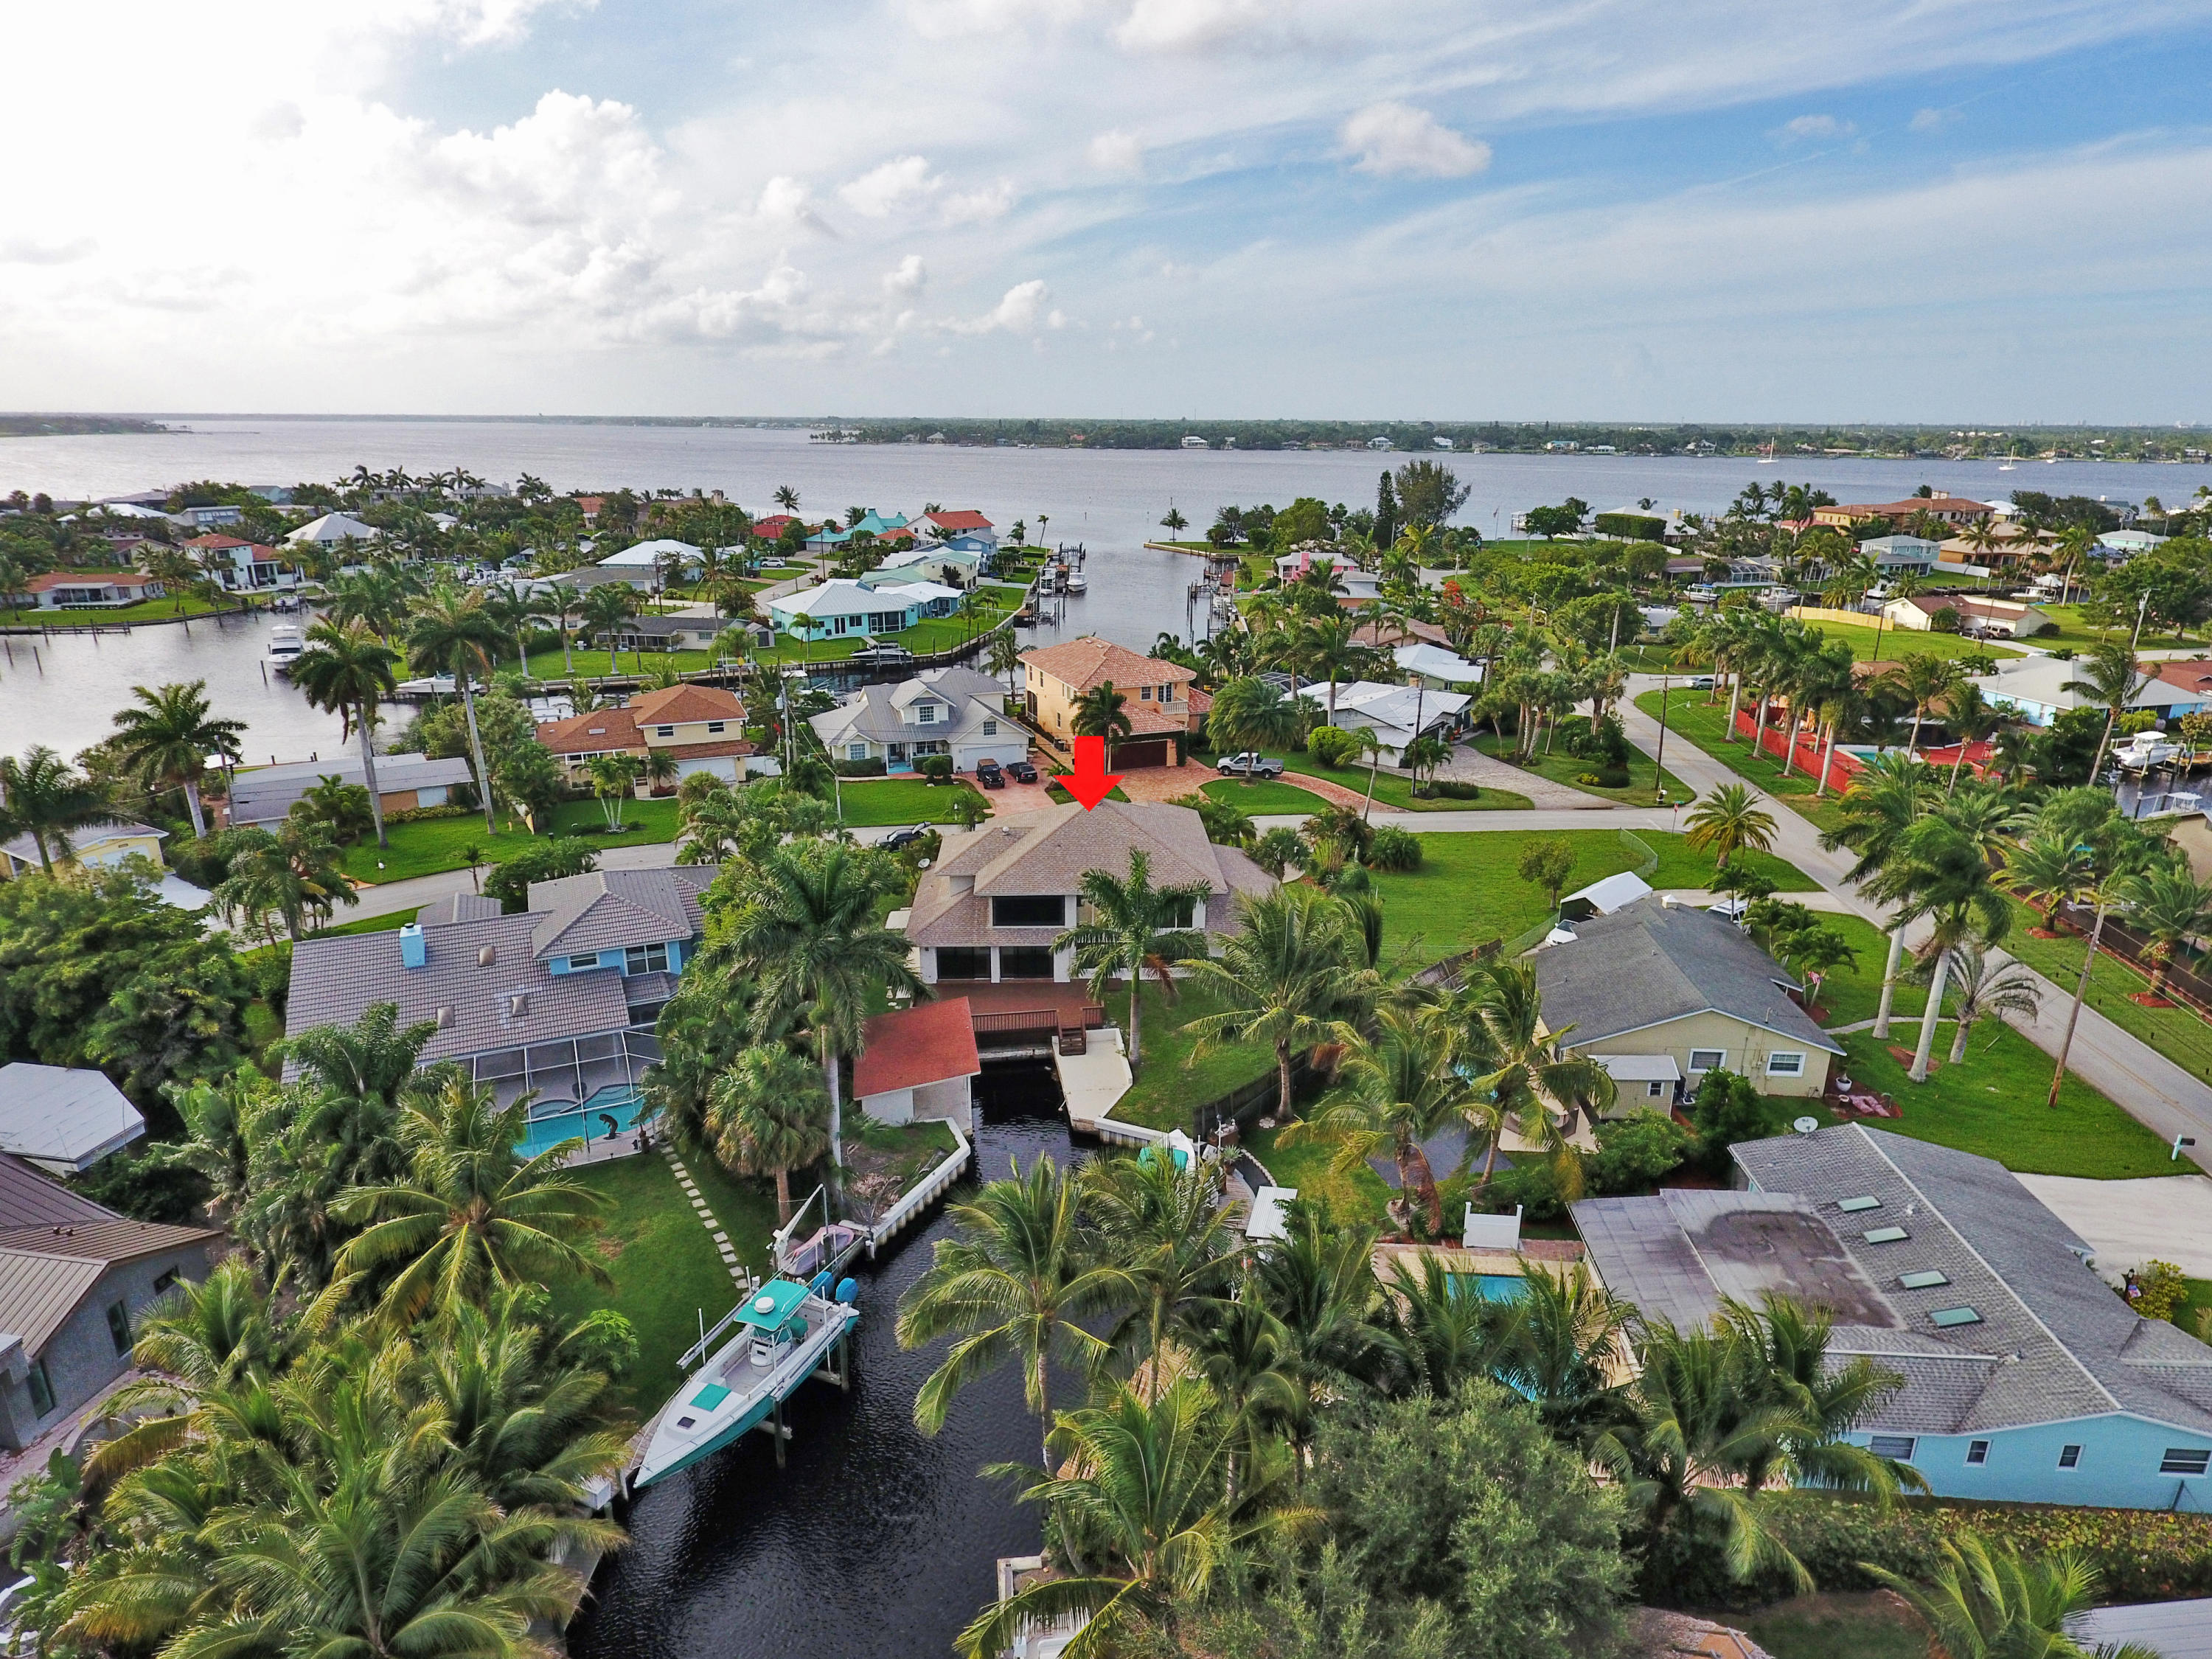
column 1266, row 795
column 1356, row 1196
column 1395, row 789
column 1060, row 797
column 1174, row 1079
column 1992, row 1105
column 2183, row 1036
column 871, row 802
column 667, row 1272
column 146, row 611
column 1560, row 767
column 1864, row 1626
column 1853, row 992
column 598, row 665
column 2074, row 628
column 1467, row 893
column 1690, row 717
column 384, row 924
column 1896, row 643
column 429, row 845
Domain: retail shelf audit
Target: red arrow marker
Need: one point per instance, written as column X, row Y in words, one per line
column 1090, row 782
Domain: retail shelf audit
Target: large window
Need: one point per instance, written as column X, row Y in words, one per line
column 646, row 959
column 1785, row 1064
column 1025, row 962
column 119, row 1327
column 1708, row 1059
column 1898, row 1447
column 42, row 1388
column 2185, row 1460
column 1028, row 910
column 962, row 962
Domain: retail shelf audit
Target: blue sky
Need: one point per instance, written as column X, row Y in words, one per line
column 1943, row 211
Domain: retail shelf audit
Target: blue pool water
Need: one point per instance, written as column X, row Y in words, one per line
column 1491, row 1287
column 587, row 1122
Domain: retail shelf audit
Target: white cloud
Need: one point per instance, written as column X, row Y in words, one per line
column 976, row 207
column 1812, row 129
column 909, row 278
column 1392, row 137
column 1190, row 25
column 1018, row 312
column 1932, row 120
column 1117, row 152
column 883, row 191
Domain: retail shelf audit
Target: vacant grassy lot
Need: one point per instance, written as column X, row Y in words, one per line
column 1174, row 1076
column 2182, row 1035
column 1395, row 789
column 1888, row 644
column 1266, row 795
column 430, row 845
column 875, row 801
column 1691, row 717
column 1560, row 767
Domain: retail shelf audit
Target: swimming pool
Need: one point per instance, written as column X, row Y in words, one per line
column 611, row 1111
column 1491, row 1287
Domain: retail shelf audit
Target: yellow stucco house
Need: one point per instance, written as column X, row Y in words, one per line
column 1156, row 694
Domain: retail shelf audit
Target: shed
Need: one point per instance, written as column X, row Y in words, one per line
column 916, row 1063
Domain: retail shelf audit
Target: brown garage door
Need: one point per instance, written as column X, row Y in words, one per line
column 1150, row 751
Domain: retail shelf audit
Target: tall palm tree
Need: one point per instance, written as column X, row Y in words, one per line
column 804, row 931
column 1923, row 679
column 516, row 604
column 347, row 671
column 1101, row 713
column 1248, row 713
column 1397, row 1090
column 603, row 611
column 2108, row 672
column 2048, row 870
column 1015, row 1281
column 450, row 632
column 1942, row 877
column 2168, row 906
column 1995, row 1603
column 1286, row 977
column 1438, row 1336
column 1728, row 820
column 167, row 738
column 1970, row 719
column 40, row 797
column 1989, row 986
column 1166, row 1227
column 1884, row 801
column 1005, row 658
column 1131, row 929
column 768, row 1115
column 472, row 1213
column 295, row 875
column 1528, row 1071
column 1327, row 648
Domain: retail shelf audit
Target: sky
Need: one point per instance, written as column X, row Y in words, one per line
column 1926, row 210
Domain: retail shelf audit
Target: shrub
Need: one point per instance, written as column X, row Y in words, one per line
column 1332, row 746
column 1394, row 848
column 565, row 855
column 1945, row 621
column 423, row 814
column 1453, row 789
column 1727, row 1109
column 936, row 769
column 1633, row 1153
column 2160, row 1289
column 859, row 769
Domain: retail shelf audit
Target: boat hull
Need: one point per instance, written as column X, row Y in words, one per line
column 675, row 1447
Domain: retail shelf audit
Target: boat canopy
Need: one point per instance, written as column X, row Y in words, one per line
column 773, row 1306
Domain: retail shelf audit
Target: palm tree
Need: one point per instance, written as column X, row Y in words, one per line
column 1099, row 712
column 1438, row 1337
column 1923, row 679
column 1166, row 1228
column 1397, row 1090
column 1151, row 1484
column 1970, row 719
column 1889, row 793
column 1985, row 1603
column 2049, row 871
column 517, row 606
column 473, row 1213
column 787, row 498
column 1014, row 1282
column 1248, row 713
column 297, row 875
column 1285, row 977
column 1728, row 820
column 604, row 610
column 167, row 738
column 2108, row 672
column 1940, row 876
column 41, row 798
column 348, row 671
column 1327, row 647
column 1989, row 986
column 450, row 632
column 1528, row 1071
column 1005, row 658
column 768, row 1115
column 805, row 932
column 2168, row 906
column 560, row 602
column 1132, row 929
column 613, row 778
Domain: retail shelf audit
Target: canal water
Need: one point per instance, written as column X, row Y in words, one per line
column 874, row 1541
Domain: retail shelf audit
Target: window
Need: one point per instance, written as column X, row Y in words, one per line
column 646, row 959
column 1885, row 1235
column 118, row 1326
column 716, row 728
column 1978, row 1452
column 1144, row 694
column 1028, row 910
column 1927, row 1279
column 2070, row 1457
column 1167, row 692
column 42, row 1388
column 1949, row 1316
column 2185, row 1460
column 990, row 728
column 1853, row 1206
column 1653, row 1089
column 856, row 751
column 664, row 731
column 1708, row 1059
column 1025, row 962
column 1791, row 1064
column 962, row 962
column 1898, row 1447
column 925, row 712
column 166, row 1280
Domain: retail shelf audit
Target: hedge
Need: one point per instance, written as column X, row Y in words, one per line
column 418, row 814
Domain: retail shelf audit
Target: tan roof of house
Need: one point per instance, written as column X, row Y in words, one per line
column 590, row 734
column 680, row 703
column 1084, row 664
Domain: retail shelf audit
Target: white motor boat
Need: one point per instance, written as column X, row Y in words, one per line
column 285, row 645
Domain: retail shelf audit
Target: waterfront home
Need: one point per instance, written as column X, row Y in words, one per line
column 1155, row 694
column 65, row 590
column 332, row 528
column 1939, row 505
column 1894, row 554
column 1660, row 995
column 2192, row 677
column 2034, row 688
column 829, row 538
column 76, row 1279
column 840, row 608
column 941, row 711
column 690, row 631
column 2118, row 545
column 957, row 563
column 104, row 846
column 205, row 518
column 1001, row 895
column 701, row 726
column 64, row 1119
column 559, row 999
column 919, row 1063
column 241, row 567
column 1361, row 586
column 649, row 556
column 2028, row 1380
column 943, row 525
column 1396, row 714
column 264, row 794
column 2006, row 619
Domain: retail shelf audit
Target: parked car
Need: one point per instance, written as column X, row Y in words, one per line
column 899, row 838
column 1248, row 765
column 988, row 775
column 1021, row 771
column 1700, row 682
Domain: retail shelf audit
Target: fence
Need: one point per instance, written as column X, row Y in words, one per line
column 1252, row 1099
column 2124, row 944
column 1647, row 860
column 1779, row 740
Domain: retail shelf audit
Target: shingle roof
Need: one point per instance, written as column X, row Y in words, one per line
column 872, row 711
column 597, row 733
column 267, row 793
column 928, row 1042
column 82, row 840
column 1084, row 664
column 1653, row 962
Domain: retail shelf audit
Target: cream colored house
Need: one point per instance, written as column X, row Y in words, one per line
column 1661, row 995
column 1155, row 696
column 701, row 725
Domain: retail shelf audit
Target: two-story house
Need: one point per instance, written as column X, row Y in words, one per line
column 943, row 525
column 559, row 999
column 701, row 726
column 941, row 711
column 1001, row 895
column 1156, row 696
column 241, row 567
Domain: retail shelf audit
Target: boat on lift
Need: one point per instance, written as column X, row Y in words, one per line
column 285, row 645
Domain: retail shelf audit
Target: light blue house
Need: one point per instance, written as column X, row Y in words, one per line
column 2027, row 1378
column 956, row 563
column 873, row 606
column 829, row 539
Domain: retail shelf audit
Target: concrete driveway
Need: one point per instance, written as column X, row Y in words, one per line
column 2129, row 1223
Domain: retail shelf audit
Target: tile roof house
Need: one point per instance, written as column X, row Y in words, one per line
column 1942, row 507
column 2027, row 1379
column 241, row 567
column 999, row 894
column 64, row 1119
column 958, row 521
column 702, row 726
column 841, row 607
column 941, row 711
column 264, row 794
column 560, row 998
column 2192, row 677
column 1687, row 989
column 917, row 1063
column 1156, row 700
column 76, row 1280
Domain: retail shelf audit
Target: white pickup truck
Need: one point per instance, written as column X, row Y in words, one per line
column 1248, row 764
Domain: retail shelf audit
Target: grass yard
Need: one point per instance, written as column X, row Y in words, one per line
column 397, row 920
column 1060, row 797
column 666, row 1269
column 1992, row 1105
column 1395, row 789
column 1467, row 892
column 598, row 665
column 2180, row 1034
column 1853, row 992
column 1174, row 1079
column 1355, row 1196
column 1644, row 777
column 2073, row 627
column 429, row 844
column 1897, row 642
column 1690, row 717
column 1265, row 795
column 871, row 802
column 170, row 609
column 1876, row 1625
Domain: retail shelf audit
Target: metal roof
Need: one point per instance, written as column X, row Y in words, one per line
column 47, row 1272
column 63, row 1117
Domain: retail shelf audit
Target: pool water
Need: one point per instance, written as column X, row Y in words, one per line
column 1491, row 1287
column 609, row 1112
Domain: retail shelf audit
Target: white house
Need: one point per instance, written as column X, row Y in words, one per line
column 947, row 563
column 1901, row 552
column 2126, row 544
column 941, row 526
column 1395, row 713
column 840, row 608
column 941, row 711
column 1436, row 664
column 647, row 556
column 919, row 1062
column 334, row 527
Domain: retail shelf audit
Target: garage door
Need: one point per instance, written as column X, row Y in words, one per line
column 1151, row 751
column 722, row 766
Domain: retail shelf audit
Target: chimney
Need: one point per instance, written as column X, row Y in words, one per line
column 413, row 950
column 487, row 955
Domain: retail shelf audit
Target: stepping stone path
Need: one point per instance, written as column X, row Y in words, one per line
column 727, row 1251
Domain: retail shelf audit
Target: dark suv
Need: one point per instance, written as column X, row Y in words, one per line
column 988, row 775
column 1021, row 771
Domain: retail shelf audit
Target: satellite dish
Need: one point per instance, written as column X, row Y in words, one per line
column 1806, row 1126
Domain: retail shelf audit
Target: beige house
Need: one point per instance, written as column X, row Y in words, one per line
column 701, row 725
column 2004, row 618
column 1660, row 995
column 1158, row 701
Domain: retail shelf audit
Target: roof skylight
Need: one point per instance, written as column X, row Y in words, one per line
column 1925, row 1281
column 1955, row 1316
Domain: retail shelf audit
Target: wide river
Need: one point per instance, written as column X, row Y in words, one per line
column 1111, row 500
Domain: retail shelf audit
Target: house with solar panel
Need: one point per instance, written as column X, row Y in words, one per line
column 2027, row 1378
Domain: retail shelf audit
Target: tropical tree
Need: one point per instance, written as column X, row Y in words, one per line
column 451, row 632
column 1134, row 929
column 1985, row 1602
column 1286, row 977
column 40, row 797
column 1100, row 713
column 1248, row 713
column 1923, row 679
column 603, row 611
column 1327, row 648
column 768, row 1115
column 1396, row 1090
column 518, row 604
column 2168, row 906
column 1972, row 719
column 1015, row 1281
column 1939, row 876
column 1526, row 1073
column 297, row 875
column 1728, row 820
column 168, row 737
column 1440, row 1338
column 346, row 669
column 2109, row 673
column 1986, row 987
column 1884, row 801
column 472, row 1213
column 614, row 777
column 1004, row 658
column 1166, row 1227
column 2049, row 871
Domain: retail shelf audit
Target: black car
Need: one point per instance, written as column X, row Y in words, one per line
column 1021, row 771
column 899, row 838
column 988, row 775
